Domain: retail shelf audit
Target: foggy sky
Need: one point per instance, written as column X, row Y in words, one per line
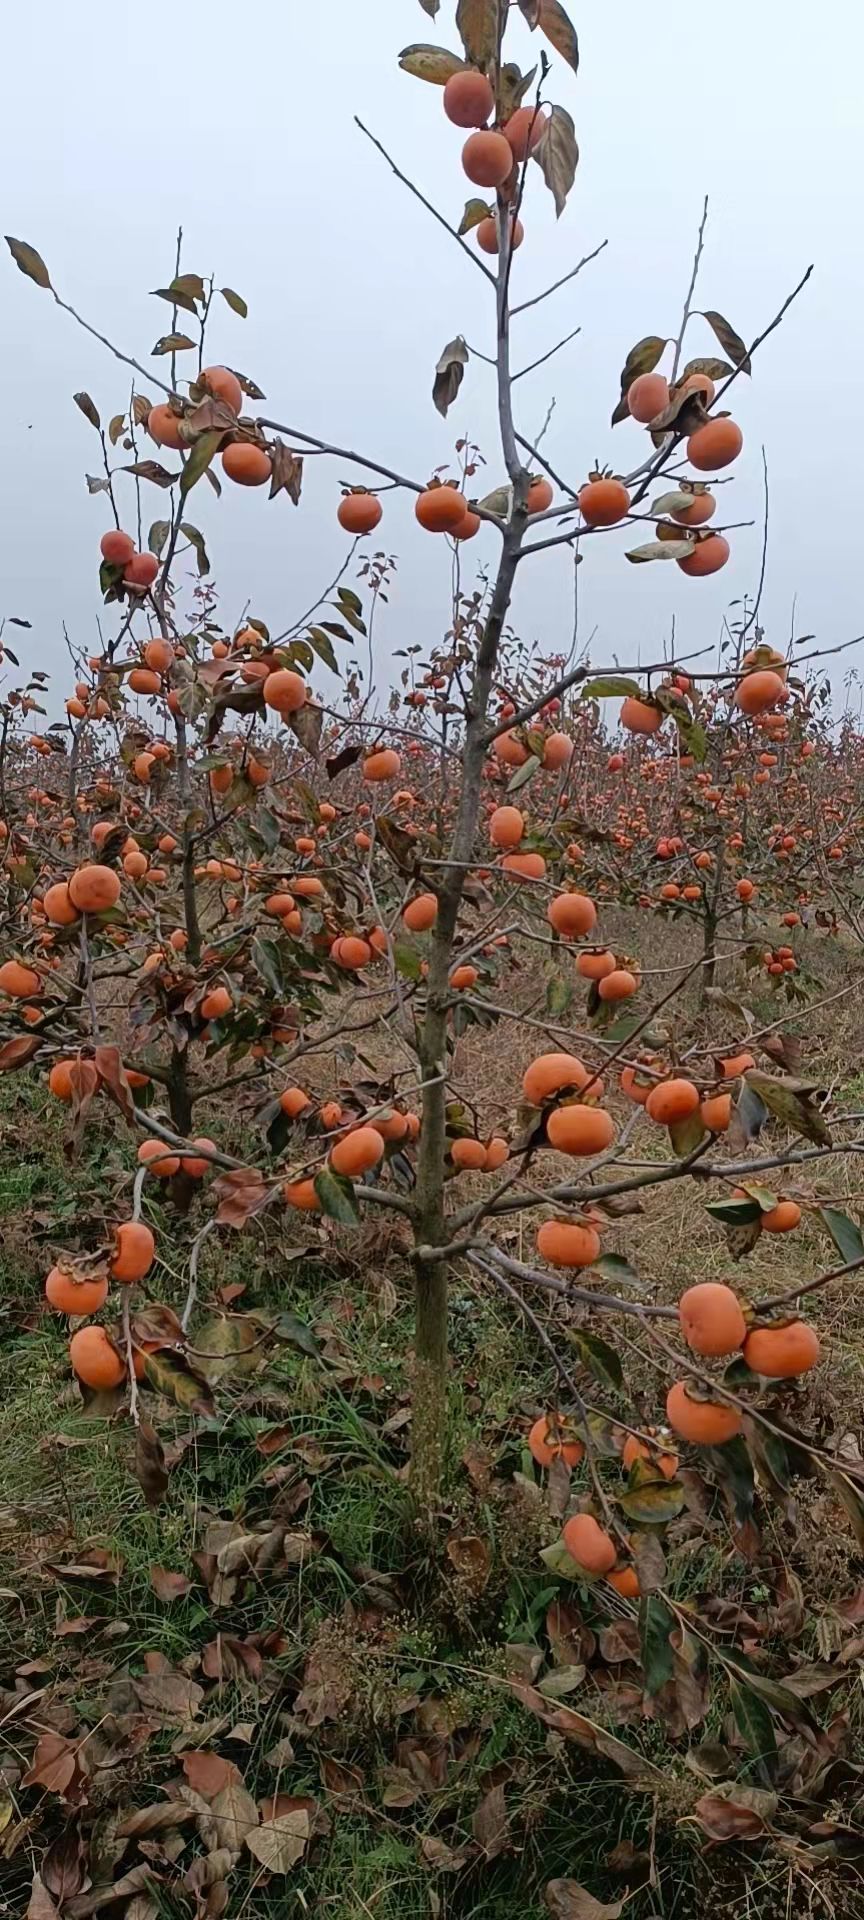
column 120, row 123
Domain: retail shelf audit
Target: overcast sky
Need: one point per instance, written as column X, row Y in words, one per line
column 238, row 122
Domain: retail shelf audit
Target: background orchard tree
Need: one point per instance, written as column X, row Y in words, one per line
column 271, row 873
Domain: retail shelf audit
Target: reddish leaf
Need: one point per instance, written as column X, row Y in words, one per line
column 169, row 1586
column 208, row 1773
column 16, row 1053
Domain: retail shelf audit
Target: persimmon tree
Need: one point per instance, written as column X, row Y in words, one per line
column 241, row 856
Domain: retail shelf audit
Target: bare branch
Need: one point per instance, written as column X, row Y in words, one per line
column 535, row 302
column 473, row 257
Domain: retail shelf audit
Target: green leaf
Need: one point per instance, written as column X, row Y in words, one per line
column 751, row 1113
column 172, row 343
column 322, row 644
column 29, row 261
column 407, row 961
column 190, row 284
column 734, row 1213
column 692, row 733
column 560, row 1562
column 730, row 341
column 199, row 460
column 685, row 1135
column 658, row 1660
column 659, row 550
column 652, row 1502
column 431, row 63
column 524, row 773
column 157, row 536
column 613, row 687
column 715, row 369
column 559, row 30
column 557, row 156
column 294, row 1331
column 196, row 540
column 235, row 301
column 336, row 1195
column 88, row 408
column 613, row 1266
column 176, row 298
column 600, row 1359
column 844, row 1233
column 266, row 958
column 642, row 358
column 475, row 211
column 559, row 994
column 756, row 1727
column 789, row 1101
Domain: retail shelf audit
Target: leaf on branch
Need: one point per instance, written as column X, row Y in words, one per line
column 730, row 341
column 599, row 1359
column 557, row 155
column 88, row 408
column 642, row 358
column 524, row 773
column 660, row 550
column 176, row 297
column 287, row 472
column 321, row 643
column 157, row 536
column 17, row 1052
column 196, row 540
column 612, row 687
column 97, row 483
column 449, row 372
column 152, row 471
column 844, row 1233
column 477, row 23
column 715, row 369
column 512, row 88
column 475, row 211
column 336, row 1195
column 431, row 7
column 560, row 31
column 790, row 1102
column 691, row 733
column 235, row 301
column 430, row 63
column 169, row 1372
column 653, row 1502
column 306, row 725
column 199, row 459
column 29, row 261
column 172, row 343
column 530, row 11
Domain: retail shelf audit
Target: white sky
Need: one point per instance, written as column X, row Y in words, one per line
column 238, row 122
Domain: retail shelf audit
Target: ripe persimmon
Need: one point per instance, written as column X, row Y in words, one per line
column 94, row 1359
column 67, row 1291
column 540, row 494
column 158, row 1158
column 60, row 1079
column 216, row 1004
column 546, row 1443
column 708, row 556
column 163, row 426
column 463, row 977
column 141, row 570
column 567, row 1243
column 524, row 866
column 705, row 1423
column 588, row 1544
column 625, row 1581
column 580, row 1130
column 745, row 889
column 736, row 1064
column 468, row 1155
column 94, row 889
column 782, row 1352
column 486, row 232
column 223, row 385
column 639, row 716
column 468, row 98
column 246, row 464
column 553, row 1073
column 595, row 964
column 711, row 1319
column 497, row 1154
column 359, row 512
column 301, row 1194
column 716, row 1112
column 351, row 952
column 441, row 509
column 672, row 1100
column 523, row 131
column 116, row 547
column 620, row 984
column 506, row 827
column 647, row 396
column 783, row 1218
column 716, row 444
column 20, row 982
column 134, row 1251
column 572, row 914
column 603, row 502
column 420, row 913
column 487, row 159
column 759, row 690
column 357, row 1152
column 656, row 1456
column 285, row 691
column 701, row 508
column 386, row 764
column 159, row 654
column 57, row 906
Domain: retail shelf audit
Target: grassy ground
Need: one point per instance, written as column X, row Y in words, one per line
column 349, row 1671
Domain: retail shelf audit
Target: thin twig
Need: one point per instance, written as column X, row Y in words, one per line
column 690, row 292
column 535, row 302
column 473, row 257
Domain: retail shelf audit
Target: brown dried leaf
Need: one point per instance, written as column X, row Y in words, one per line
column 208, row 1773
column 436, row 1854
column 575, row 1726
column 40, row 1905
column 489, row 1823
column 173, row 1696
column 281, row 1842
column 568, row 1901
column 159, row 1818
column 168, row 1585
column 149, row 1466
column 234, row 1815
column 53, row 1763
column 736, row 1812
column 63, row 1865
